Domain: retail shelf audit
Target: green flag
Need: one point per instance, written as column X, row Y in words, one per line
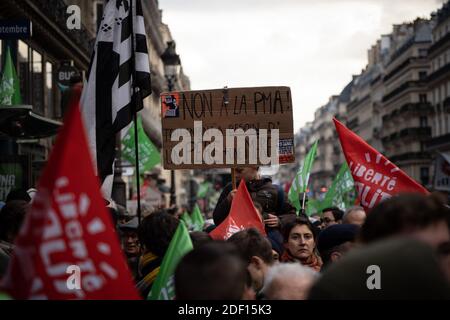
column 337, row 195
column 4, row 296
column 197, row 219
column 163, row 288
column 186, row 217
column 148, row 154
column 300, row 183
column 313, row 207
column 9, row 86
column 203, row 189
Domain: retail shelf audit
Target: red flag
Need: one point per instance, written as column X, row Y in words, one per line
column 243, row 215
column 376, row 178
column 67, row 247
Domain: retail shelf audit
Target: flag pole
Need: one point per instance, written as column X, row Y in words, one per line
column 303, row 202
column 134, row 104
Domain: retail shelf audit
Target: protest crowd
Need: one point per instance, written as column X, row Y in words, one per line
column 282, row 254
column 377, row 233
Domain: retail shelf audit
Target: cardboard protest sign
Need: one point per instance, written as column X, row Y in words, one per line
column 227, row 128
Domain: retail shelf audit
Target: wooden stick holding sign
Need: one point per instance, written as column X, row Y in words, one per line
column 233, row 178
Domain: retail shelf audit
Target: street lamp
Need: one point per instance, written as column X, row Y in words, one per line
column 172, row 65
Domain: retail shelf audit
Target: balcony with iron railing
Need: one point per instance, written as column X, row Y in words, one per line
column 414, row 156
column 408, row 110
column 438, row 142
column 416, row 133
column 404, row 87
column 437, row 45
column 439, row 73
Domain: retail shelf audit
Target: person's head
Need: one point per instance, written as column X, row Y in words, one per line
column 256, row 251
column 214, row 271
column 277, row 246
column 129, row 237
column 335, row 241
column 354, row 215
column 299, row 238
column 395, row 268
column 331, row 216
column 288, row 281
column 156, row 231
column 247, row 173
column 12, row 216
column 18, row 194
column 420, row 216
column 200, row 238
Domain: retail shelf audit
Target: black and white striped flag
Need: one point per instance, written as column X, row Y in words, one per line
column 107, row 98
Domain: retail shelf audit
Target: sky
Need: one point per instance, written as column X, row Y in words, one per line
column 312, row 46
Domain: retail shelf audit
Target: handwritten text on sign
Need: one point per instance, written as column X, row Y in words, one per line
column 227, row 127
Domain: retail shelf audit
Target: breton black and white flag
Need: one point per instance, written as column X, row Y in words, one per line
column 107, row 98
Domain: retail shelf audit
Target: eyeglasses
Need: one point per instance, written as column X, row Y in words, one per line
column 326, row 220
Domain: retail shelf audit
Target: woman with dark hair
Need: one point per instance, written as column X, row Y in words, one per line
column 154, row 233
column 300, row 243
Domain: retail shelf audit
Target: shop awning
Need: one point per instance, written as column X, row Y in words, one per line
column 19, row 121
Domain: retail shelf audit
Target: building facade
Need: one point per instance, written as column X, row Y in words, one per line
column 439, row 83
column 52, row 44
column 405, row 106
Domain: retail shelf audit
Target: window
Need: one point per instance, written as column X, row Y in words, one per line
column 424, row 175
column 98, row 13
column 423, row 121
column 38, row 83
column 423, row 97
column 49, row 89
column 23, row 61
column 422, row 53
column 422, row 75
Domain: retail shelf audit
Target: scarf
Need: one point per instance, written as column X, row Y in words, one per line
column 313, row 260
column 149, row 266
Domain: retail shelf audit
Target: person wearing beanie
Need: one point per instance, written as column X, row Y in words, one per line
column 335, row 241
column 130, row 244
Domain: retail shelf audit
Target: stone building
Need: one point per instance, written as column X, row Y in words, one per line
column 405, row 106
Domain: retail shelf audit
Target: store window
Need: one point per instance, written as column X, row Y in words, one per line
column 23, row 60
column 49, row 89
column 38, row 85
